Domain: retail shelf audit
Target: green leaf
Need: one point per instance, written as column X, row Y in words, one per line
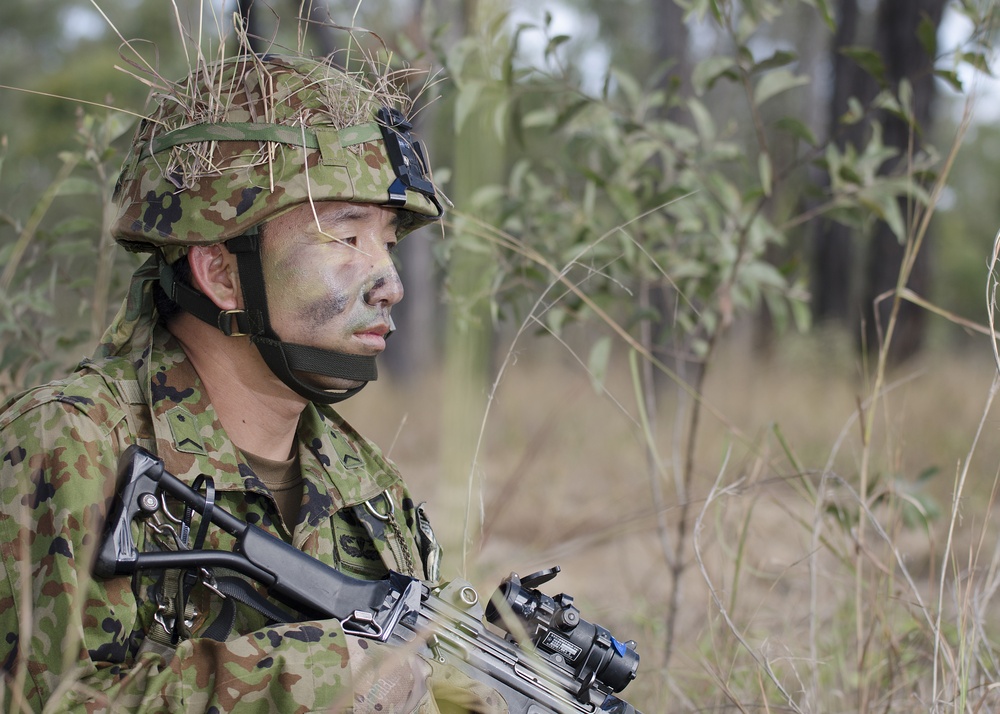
column 727, row 194
column 927, row 35
column 868, row 59
column 716, row 10
column 886, row 207
column 978, row 60
column 554, row 319
column 855, row 112
column 496, row 29
column 824, row 10
column 467, row 101
column 78, row 186
column 906, row 101
column 970, row 8
column 500, row 114
column 709, row 70
column 778, row 59
column 489, row 194
column 597, row 364
column 688, row 269
column 891, row 103
column 760, row 274
column 798, row 129
column 848, row 172
column 554, row 44
column 778, row 309
column 776, row 82
column 543, row 118
column 630, row 87
column 764, row 168
column 801, row 314
column 702, row 120
column 624, row 199
column 928, row 473
column 950, row 77
column 567, row 114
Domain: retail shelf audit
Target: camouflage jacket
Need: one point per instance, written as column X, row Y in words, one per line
column 70, row 642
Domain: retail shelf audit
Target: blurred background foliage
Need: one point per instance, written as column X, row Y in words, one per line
column 661, row 173
column 599, row 115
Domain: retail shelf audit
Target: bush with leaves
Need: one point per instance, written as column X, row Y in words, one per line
column 666, row 214
column 60, row 275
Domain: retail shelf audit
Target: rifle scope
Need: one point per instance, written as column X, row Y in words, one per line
column 560, row 635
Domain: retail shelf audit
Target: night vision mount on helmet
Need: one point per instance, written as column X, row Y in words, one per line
column 243, row 141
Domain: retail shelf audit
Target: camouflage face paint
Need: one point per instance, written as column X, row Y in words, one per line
column 325, row 309
column 332, row 285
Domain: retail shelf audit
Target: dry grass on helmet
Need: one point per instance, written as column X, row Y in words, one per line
column 345, row 89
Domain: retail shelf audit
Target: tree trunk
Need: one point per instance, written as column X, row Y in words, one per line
column 418, row 315
column 251, row 23
column 321, row 30
column 413, row 350
column 905, row 58
column 670, row 43
column 833, row 258
column 813, row 43
column 670, row 50
column 478, row 161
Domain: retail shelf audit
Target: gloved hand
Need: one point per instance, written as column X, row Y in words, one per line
column 390, row 680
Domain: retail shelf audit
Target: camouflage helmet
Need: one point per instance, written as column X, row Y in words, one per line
column 242, row 141
column 246, row 139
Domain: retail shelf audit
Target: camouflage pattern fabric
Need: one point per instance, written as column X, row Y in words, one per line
column 258, row 168
column 73, row 643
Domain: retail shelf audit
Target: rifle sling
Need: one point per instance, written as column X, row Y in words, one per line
column 238, row 590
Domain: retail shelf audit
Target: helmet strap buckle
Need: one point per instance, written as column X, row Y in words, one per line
column 233, row 323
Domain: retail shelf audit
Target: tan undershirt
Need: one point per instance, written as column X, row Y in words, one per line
column 284, row 480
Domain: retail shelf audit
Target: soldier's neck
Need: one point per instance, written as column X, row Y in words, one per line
column 259, row 413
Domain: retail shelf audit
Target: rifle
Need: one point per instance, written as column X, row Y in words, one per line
column 546, row 659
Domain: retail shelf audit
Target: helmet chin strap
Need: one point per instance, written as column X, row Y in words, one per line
column 284, row 359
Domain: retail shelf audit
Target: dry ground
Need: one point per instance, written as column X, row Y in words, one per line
column 564, row 481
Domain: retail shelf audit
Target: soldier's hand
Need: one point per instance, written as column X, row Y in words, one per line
column 387, row 680
column 390, row 680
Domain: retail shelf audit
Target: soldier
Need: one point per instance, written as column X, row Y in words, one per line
column 271, row 192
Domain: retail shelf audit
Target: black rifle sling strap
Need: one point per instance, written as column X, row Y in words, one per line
column 231, row 589
column 190, row 577
column 236, row 589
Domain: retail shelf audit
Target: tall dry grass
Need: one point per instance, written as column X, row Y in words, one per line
column 771, row 598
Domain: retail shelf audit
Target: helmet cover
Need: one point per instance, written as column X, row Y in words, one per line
column 248, row 138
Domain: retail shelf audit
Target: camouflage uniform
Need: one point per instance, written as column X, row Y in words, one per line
column 73, row 643
column 82, row 641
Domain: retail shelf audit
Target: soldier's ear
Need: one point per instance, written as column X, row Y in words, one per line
column 214, row 273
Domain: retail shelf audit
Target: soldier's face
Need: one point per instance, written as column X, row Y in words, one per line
column 330, row 278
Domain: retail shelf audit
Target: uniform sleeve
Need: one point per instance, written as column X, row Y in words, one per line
column 68, row 642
